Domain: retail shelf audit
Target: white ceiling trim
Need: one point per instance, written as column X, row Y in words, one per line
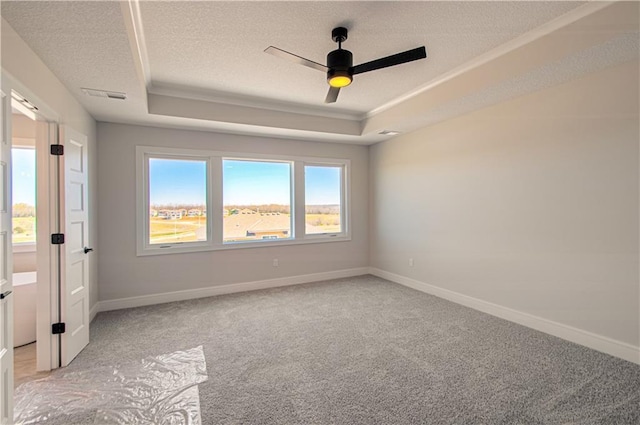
column 551, row 26
column 229, row 109
column 250, row 102
column 135, row 32
column 218, row 100
column 560, row 49
column 223, row 112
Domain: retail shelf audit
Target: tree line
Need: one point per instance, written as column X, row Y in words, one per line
column 285, row 209
column 178, row 207
column 263, row 208
column 24, row 210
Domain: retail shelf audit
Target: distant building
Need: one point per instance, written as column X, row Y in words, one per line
column 268, row 234
column 254, row 226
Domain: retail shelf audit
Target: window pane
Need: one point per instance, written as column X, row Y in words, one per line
column 177, row 200
column 257, row 200
column 23, row 186
column 323, row 196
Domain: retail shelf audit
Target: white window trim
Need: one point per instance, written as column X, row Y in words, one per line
column 215, row 204
column 345, row 196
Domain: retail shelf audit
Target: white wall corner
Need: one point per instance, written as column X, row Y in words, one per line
column 166, row 297
column 596, row 342
column 95, row 309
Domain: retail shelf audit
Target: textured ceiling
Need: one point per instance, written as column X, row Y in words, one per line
column 213, row 51
column 86, row 45
column 218, row 46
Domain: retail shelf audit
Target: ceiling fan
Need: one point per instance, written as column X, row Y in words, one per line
column 340, row 69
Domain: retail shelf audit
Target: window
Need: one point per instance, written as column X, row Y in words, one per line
column 256, row 200
column 323, row 199
column 177, row 200
column 191, row 200
column 23, row 177
column 173, row 201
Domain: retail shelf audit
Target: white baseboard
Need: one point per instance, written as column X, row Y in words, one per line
column 94, row 310
column 189, row 294
column 597, row 342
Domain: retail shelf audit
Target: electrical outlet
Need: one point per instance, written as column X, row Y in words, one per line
column 410, row 262
column 275, row 262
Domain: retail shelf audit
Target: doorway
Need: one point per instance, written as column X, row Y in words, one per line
column 26, row 144
column 61, row 212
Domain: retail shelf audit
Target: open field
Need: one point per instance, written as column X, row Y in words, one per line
column 24, row 229
column 180, row 230
column 191, row 229
column 322, row 223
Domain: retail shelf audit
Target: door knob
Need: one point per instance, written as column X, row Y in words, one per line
column 87, row 250
column 5, row 295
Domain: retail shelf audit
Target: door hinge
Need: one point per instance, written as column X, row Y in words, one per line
column 57, row 238
column 57, row 328
column 57, row 150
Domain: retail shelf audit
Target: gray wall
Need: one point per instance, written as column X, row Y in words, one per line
column 531, row 204
column 122, row 274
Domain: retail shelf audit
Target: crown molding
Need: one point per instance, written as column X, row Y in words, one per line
column 529, row 37
column 197, row 93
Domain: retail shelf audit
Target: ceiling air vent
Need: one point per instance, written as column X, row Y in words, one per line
column 104, row 93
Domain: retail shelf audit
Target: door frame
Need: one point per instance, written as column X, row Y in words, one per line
column 48, row 219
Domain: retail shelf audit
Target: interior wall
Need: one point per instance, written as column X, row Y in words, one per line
column 531, row 204
column 23, row 127
column 24, row 262
column 122, row 274
column 24, row 66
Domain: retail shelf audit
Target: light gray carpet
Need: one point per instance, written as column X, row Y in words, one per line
column 367, row 351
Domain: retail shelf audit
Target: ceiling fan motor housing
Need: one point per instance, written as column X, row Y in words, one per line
column 339, row 62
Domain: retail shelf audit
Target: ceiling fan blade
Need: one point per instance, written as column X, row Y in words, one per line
column 295, row 58
column 397, row 59
column 332, row 96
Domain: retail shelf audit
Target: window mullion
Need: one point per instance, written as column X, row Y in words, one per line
column 298, row 199
column 214, row 213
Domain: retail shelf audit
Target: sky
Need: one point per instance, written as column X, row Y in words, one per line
column 244, row 182
column 255, row 183
column 173, row 181
column 322, row 185
column 23, row 176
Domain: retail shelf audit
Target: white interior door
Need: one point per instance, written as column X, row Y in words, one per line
column 6, row 288
column 76, row 249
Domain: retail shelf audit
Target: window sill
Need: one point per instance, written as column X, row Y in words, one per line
column 241, row 245
column 20, row 248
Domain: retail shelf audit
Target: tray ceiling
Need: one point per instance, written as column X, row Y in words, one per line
column 200, row 64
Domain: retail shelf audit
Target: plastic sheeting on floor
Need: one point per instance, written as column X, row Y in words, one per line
column 160, row 390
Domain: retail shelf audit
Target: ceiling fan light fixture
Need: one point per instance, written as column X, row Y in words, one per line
column 340, row 80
